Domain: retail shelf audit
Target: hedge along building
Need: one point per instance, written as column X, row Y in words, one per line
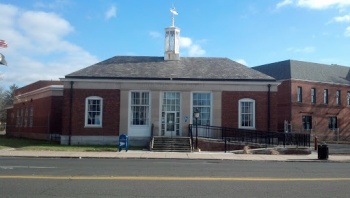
column 144, row 96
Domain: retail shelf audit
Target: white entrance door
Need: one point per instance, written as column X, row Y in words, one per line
column 170, row 127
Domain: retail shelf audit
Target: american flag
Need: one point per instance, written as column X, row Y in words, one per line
column 3, row 44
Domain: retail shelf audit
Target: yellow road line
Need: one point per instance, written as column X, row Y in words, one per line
column 151, row 178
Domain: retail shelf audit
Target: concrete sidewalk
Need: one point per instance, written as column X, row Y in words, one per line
column 132, row 154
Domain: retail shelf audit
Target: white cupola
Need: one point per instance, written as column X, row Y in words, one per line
column 172, row 39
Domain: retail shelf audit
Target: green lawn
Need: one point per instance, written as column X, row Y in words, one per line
column 27, row 144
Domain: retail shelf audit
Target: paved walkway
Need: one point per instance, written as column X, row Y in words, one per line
column 172, row 155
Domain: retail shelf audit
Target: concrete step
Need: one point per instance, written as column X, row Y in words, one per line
column 168, row 144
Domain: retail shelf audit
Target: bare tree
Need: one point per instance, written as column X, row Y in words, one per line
column 6, row 99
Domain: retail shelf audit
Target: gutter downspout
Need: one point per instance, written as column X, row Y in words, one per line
column 70, row 112
column 268, row 107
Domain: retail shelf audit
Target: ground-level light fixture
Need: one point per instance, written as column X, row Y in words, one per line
column 196, row 113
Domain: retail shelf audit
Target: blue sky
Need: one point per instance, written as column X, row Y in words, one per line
column 49, row 39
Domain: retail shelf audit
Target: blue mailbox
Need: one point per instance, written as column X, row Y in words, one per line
column 123, row 142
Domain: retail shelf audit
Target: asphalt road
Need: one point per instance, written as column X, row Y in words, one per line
column 35, row 177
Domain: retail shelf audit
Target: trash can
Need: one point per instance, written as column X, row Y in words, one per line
column 123, row 142
column 322, row 151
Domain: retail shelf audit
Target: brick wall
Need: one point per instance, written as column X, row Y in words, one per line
column 47, row 118
column 319, row 111
column 36, row 85
column 110, row 116
column 230, row 109
column 283, row 104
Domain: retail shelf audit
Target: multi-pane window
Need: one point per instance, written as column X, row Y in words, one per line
column 332, row 123
column 348, row 98
column 307, row 122
column 202, row 101
column 17, row 117
column 313, row 95
column 299, row 94
column 325, row 96
column 31, row 117
column 26, row 117
column 140, row 107
column 21, row 118
column 246, row 113
column 93, row 111
column 337, row 97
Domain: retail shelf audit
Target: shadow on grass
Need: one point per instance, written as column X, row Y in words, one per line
column 44, row 145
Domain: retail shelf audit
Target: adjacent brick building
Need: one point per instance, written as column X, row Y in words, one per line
column 312, row 98
column 37, row 111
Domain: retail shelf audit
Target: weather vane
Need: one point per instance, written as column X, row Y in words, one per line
column 173, row 12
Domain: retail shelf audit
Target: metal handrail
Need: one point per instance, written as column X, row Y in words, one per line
column 251, row 136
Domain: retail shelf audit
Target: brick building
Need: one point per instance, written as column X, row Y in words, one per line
column 144, row 96
column 37, row 111
column 312, row 97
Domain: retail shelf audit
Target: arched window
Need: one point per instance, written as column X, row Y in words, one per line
column 93, row 111
column 246, row 113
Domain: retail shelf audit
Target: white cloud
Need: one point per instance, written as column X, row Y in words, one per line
column 37, row 48
column 241, row 61
column 194, row 49
column 111, row 12
column 315, row 4
column 44, row 28
column 347, row 32
column 185, row 42
column 284, row 3
column 322, row 4
column 305, row 50
column 155, row 34
column 345, row 18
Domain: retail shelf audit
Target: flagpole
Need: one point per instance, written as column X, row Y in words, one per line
column 3, row 44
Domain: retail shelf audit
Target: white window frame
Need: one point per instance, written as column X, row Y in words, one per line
column 87, row 112
column 148, row 116
column 338, row 97
column 299, row 94
column 313, row 95
column 165, row 108
column 325, row 96
column 240, row 113
column 200, row 119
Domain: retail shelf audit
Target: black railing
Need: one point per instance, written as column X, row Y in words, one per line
column 190, row 135
column 250, row 136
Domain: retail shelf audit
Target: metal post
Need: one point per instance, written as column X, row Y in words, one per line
column 315, row 143
column 196, row 134
column 337, row 135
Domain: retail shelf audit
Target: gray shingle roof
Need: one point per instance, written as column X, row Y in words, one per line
column 187, row 68
column 299, row 70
